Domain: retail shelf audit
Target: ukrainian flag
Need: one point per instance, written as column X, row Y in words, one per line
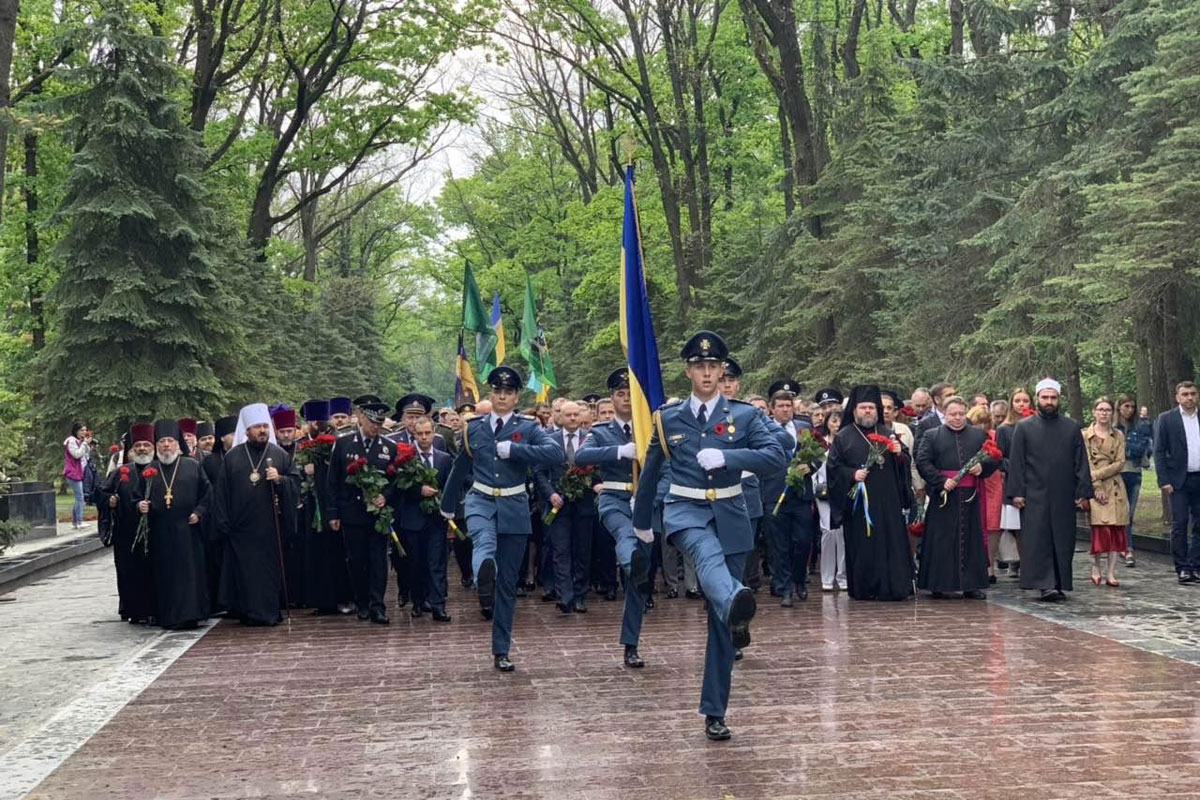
column 498, row 327
column 637, row 328
column 465, row 388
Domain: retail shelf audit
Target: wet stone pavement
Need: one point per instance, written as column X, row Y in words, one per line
column 927, row 699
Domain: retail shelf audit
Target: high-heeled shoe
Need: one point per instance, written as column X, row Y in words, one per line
column 1113, row 582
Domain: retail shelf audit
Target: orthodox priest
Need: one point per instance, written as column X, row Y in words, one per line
column 1048, row 478
column 175, row 499
column 214, row 548
column 868, row 496
column 123, row 489
column 954, row 554
column 255, row 504
column 326, row 576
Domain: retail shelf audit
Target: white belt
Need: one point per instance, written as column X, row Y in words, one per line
column 492, row 491
column 705, row 494
column 616, row 486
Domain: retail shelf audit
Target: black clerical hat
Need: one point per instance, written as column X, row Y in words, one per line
column 226, row 426
column 704, row 346
column 866, row 393
column 340, row 405
column 205, row 429
column 315, row 410
column 504, row 378
column 618, row 379
column 165, row 428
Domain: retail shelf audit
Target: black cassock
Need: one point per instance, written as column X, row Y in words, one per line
column 135, row 575
column 293, row 549
column 326, row 577
column 214, row 545
column 246, row 519
column 878, row 566
column 176, row 546
column 954, row 553
column 1048, row 466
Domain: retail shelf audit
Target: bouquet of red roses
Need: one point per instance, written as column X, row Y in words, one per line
column 810, row 451
column 916, row 528
column 990, row 450
column 372, row 483
column 315, row 451
column 576, row 484
column 407, row 471
column 879, row 444
column 142, row 535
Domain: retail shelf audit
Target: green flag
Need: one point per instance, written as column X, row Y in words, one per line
column 533, row 344
column 476, row 320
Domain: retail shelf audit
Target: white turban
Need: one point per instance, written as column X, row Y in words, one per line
column 253, row 414
column 1048, row 383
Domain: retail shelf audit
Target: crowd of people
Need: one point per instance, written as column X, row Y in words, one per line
column 258, row 515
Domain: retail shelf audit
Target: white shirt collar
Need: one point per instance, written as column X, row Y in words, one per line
column 1186, row 414
column 493, row 417
column 709, row 406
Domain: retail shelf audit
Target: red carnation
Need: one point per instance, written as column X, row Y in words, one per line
column 149, row 472
column 390, row 471
column 909, row 411
column 516, row 436
column 916, row 530
column 719, row 429
column 1028, row 412
column 879, row 439
column 124, row 474
column 992, row 450
column 116, row 448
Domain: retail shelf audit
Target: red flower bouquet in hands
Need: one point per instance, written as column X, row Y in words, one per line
column 879, row 445
column 142, row 535
column 989, row 452
column 916, row 528
column 408, row 471
column 315, row 451
column 575, row 485
column 372, row 483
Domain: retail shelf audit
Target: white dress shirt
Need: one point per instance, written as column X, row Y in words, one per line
column 1191, row 427
column 710, row 406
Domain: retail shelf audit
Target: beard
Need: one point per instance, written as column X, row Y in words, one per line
column 142, row 460
column 1047, row 412
column 169, row 459
column 865, row 420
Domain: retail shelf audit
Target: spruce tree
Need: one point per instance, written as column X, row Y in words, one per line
column 138, row 311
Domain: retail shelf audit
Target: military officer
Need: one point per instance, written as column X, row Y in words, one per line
column 498, row 448
column 793, row 524
column 366, row 549
column 409, row 409
column 610, row 446
column 731, row 387
column 709, row 441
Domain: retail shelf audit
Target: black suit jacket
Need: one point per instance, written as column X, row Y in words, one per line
column 409, row 515
column 547, row 479
column 345, row 499
column 1170, row 449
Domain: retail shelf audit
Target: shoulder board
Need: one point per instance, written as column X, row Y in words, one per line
column 527, row 416
column 671, row 404
column 735, row 401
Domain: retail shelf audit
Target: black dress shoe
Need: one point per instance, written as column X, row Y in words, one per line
column 672, row 593
column 564, row 607
column 787, row 602
column 380, row 618
column 440, row 615
column 692, row 594
column 466, row 581
column 401, row 601
column 639, row 572
column 715, row 730
column 521, row 592
column 802, row 592
column 610, row 595
column 364, row 614
column 529, row 586
column 503, row 664
column 632, row 659
column 486, row 613
column 939, row 595
column 416, row 611
column 738, row 655
column 649, row 603
column 580, row 607
column 1195, row 576
column 487, row 584
column 975, row 595
column 741, row 611
column 550, row 597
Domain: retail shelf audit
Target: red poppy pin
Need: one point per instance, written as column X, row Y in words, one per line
column 719, row 429
column 516, row 437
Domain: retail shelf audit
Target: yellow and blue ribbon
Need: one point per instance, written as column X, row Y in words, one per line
column 860, row 494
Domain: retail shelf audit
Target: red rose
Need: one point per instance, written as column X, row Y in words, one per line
column 390, row 471
column 916, row 530
column 909, row 411
column 404, row 453
column 719, row 429
column 326, row 438
column 116, row 448
column 516, row 436
column 352, row 468
column 149, row 472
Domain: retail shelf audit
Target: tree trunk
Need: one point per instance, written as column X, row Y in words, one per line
column 37, row 311
column 8, row 33
column 956, row 28
column 788, row 186
column 1074, row 383
column 1141, row 363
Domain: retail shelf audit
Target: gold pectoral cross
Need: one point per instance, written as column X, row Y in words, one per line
column 168, row 497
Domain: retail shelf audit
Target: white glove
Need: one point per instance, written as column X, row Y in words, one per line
column 632, row 500
column 711, row 458
column 448, row 514
column 627, row 451
column 502, row 449
column 644, row 536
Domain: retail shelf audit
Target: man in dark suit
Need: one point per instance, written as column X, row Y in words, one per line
column 1177, row 462
column 424, row 532
column 571, row 530
column 366, row 548
column 941, row 392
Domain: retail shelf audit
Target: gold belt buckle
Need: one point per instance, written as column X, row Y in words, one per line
column 629, row 487
column 495, row 492
column 711, row 494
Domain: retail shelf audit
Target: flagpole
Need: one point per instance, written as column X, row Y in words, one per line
column 630, row 146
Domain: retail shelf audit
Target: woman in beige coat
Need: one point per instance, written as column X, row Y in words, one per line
column 1110, row 508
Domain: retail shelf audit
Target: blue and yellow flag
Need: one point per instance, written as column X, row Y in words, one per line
column 637, row 328
column 498, row 327
column 465, row 388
